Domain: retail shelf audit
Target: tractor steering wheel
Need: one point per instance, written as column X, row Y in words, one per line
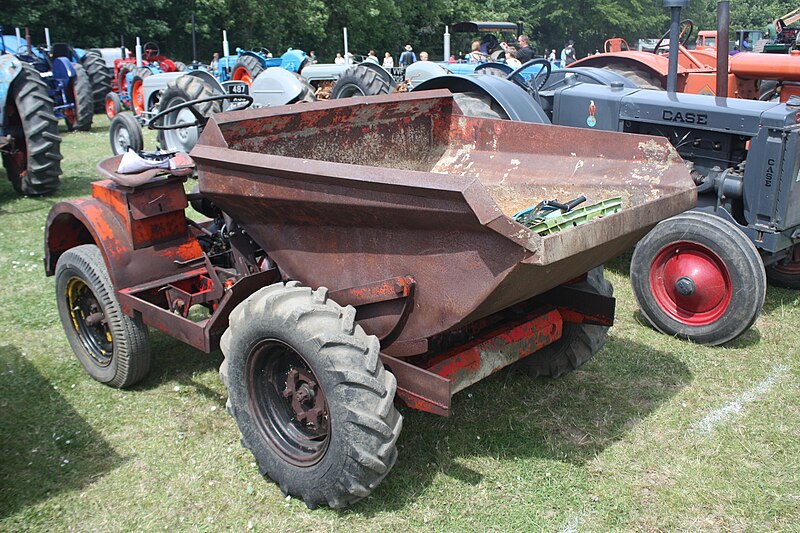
column 150, row 49
column 687, row 27
column 200, row 119
column 516, row 77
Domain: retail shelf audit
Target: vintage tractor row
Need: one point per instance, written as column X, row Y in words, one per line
column 29, row 140
column 68, row 83
column 700, row 275
column 310, row 276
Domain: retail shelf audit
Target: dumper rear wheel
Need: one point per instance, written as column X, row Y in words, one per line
column 112, row 347
column 698, row 277
column 310, row 394
column 578, row 342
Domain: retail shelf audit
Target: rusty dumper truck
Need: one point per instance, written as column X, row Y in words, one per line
column 357, row 253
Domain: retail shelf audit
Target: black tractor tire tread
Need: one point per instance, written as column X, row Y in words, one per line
column 578, row 342
column 142, row 72
column 367, row 80
column 253, row 65
column 84, row 101
column 479, row 105
column 712, row 232
column 180, row 66
column 29, row 93
column 361, row 398
column 188, row 87
column 131, row 357
column 99, row 78
column 309, row 93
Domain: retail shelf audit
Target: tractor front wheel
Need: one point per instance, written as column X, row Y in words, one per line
column 125, row 134
column 310, row 394
column 112, row 347
column 34, row 163
column 359, row 81
column 578, row 342
column 113, row 105
column 698, row 277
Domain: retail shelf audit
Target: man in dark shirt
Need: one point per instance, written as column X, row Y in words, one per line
column 526, row 51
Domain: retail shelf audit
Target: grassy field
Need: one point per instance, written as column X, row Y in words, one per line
column 653, row 434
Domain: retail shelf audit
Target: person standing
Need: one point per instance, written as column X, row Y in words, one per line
column 214, row 66
column 339, row 60
column 423, row 56
column 526, row 52
column 372, row 58
column 312, row 57
column 388, row 60
column 408, row 57
column 568, row 55
column 552, row 57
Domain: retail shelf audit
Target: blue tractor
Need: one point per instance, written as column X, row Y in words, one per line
column 29, row 140
column 247, row 64
column 68, row 82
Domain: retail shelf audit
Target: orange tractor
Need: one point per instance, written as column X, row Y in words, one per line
column 700, row 70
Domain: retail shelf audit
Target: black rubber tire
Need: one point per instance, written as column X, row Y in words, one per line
column 130, row 351
column 309, row 93
column 99, row 78
column 122, row 74
column 768, row 90
column 183, row 89
column 641, row 77
column 741, row 260
column 253, row 66
column 180, row 66
column 786, row 275
column 113, row 105
column 81, row 90
column 34, row 127
column 125, row 133
column 363, row 422
column 578, row 342
column 359, row 81
column 479, row 106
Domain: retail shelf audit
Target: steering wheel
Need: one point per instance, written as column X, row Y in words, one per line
column 200, row 119
column 263, row 51
column 530, row 85
column 150, row 49
column 687, row 27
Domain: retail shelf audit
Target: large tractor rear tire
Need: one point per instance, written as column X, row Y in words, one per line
column 246, row 69
column 578, row 342
column 182, row 90
column 112, row 347
column 310, row 395
column 80, row 118
column 99, row 79
column 359, row 81
column 640, row 76
column 34, row 165
column 698, row 277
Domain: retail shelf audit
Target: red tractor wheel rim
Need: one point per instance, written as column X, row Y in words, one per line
column 690, row 283
column 111, row 108
column 137, row 96
column 242, row 74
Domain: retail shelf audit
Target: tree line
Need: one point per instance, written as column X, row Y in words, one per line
column 381, row 25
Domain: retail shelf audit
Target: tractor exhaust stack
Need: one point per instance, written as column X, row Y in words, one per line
column 675, row 7
column 723, row 34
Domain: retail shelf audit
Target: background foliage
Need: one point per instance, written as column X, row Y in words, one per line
column 383, row 25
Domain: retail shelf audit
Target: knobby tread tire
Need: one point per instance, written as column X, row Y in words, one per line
column 737, row 252
column 99, row 78
column 364, row 423
column 130, row 361
column 84, row 103
column 479, row 105
column 358, row 81
column 183, row 89
column 578, row 342
column 38, row 127
column 641, row 77
column 253, row 66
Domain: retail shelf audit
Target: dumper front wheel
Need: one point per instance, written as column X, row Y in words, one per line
column 578, row 342
column 698, row 277
column 310, row 394
column 112, row 347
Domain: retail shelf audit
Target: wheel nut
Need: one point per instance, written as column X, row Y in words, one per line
column 685, row 286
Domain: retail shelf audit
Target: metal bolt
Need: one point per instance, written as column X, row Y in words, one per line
column 685, row 286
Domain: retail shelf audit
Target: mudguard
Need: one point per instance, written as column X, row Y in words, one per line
column 275, row 86
column 517, row 103
column 293, row 60
column 10, row 67
column 424, row 70
column 63, row 70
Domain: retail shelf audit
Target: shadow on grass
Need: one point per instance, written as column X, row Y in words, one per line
column 46, row 447
column 510, row 416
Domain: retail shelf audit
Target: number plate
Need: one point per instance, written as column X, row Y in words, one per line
column 237, row 87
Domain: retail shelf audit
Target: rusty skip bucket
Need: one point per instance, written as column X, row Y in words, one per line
column 368, row 194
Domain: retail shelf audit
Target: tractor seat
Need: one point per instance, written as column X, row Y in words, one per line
column 133, row 170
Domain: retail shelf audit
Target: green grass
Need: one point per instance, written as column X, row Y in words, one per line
column 612, row 447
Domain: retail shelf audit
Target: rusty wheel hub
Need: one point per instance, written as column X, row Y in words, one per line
column 307, row 400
